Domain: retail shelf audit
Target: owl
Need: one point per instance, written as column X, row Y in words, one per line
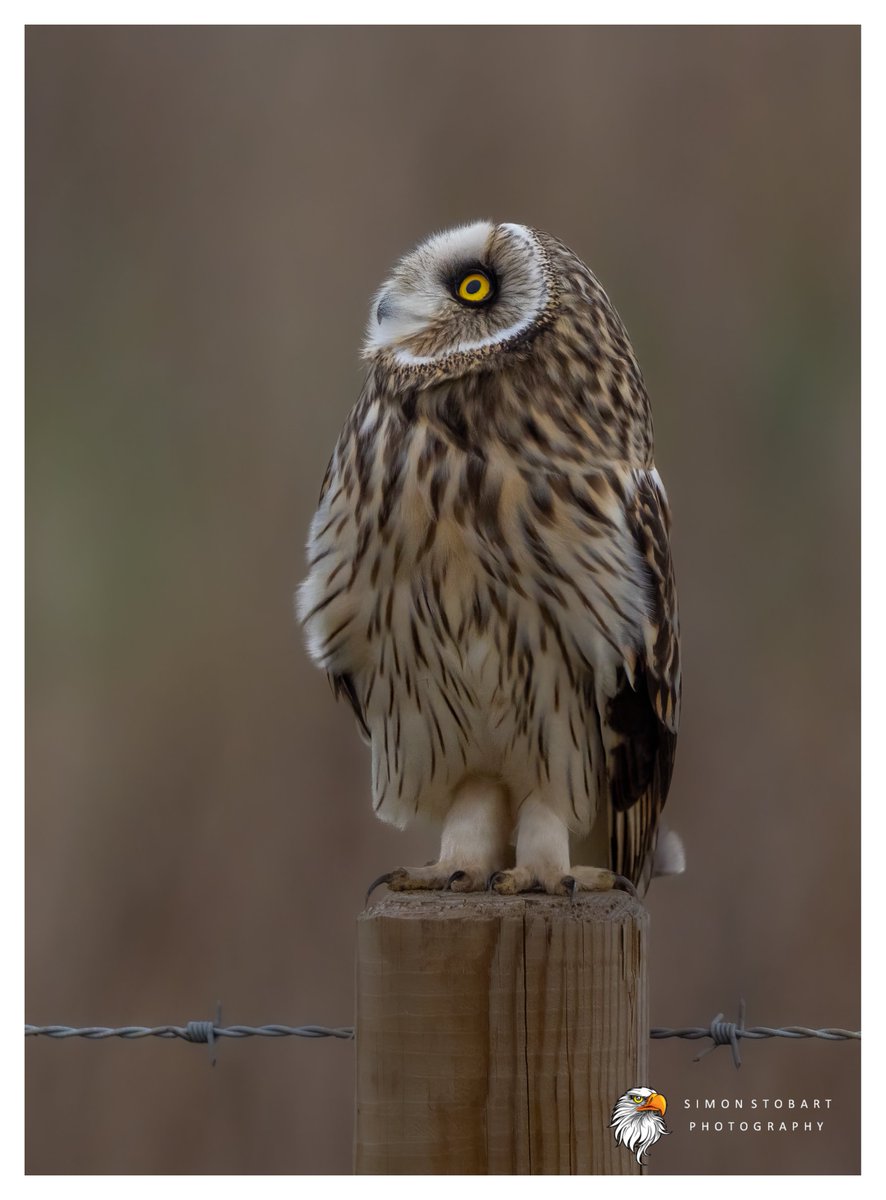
column 490, row 584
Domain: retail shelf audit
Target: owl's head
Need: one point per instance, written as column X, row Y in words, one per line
column 462, row 297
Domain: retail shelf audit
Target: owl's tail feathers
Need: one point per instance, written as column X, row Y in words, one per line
column 670, row 856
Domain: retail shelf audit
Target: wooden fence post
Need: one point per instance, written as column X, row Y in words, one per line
column 495, row 1034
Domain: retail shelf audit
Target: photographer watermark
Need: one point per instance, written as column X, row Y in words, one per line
column 763, row 1114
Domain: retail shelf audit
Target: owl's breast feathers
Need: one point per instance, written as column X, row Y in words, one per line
column 491, row 589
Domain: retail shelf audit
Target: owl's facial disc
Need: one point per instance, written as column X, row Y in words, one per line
column 460, row 293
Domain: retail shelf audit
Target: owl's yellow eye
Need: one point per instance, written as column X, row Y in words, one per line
column 475, row 288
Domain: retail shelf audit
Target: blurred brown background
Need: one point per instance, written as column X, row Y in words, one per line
column 209, row 210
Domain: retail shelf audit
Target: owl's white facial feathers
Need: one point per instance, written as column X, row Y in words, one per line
column 417, row 305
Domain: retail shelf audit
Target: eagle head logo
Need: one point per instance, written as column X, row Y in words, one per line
column 638, row 1120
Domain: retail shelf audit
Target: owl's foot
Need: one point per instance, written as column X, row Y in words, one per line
column 436, row 876
column 556, row 883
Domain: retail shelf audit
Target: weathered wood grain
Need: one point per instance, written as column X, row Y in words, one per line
column 494, row 1034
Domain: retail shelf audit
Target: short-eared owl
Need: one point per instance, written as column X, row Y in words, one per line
column 490, row 580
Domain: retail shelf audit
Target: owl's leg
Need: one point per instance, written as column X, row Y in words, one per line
column 543, row 858
column 473, row 845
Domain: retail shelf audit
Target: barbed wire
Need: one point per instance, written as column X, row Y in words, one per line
column 204, row 1032
column 721, row 1033
column 730, row 1033
column 193, row 1031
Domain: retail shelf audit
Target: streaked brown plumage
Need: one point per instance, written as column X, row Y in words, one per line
column 490, row 579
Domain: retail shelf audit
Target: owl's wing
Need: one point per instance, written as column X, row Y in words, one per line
column 641, row 718
column 324, row 599
column 343, row 686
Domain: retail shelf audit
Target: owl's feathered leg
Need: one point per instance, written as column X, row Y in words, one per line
column 543, row 858
column 473, row 845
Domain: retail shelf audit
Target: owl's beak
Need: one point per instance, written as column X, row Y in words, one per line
column 655, row 1101
column 385, row 308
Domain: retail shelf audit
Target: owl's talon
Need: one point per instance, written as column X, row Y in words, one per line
column 386, row 878
column 571, row 886
column 623, row 884
column 455, row 876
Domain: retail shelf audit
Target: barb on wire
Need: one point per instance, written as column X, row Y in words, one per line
column 729, row 1033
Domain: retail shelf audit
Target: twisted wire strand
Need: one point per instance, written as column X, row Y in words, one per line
column 721, row 1033
column 730, row 1033
column 759, row 1031
column 193, row 1031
